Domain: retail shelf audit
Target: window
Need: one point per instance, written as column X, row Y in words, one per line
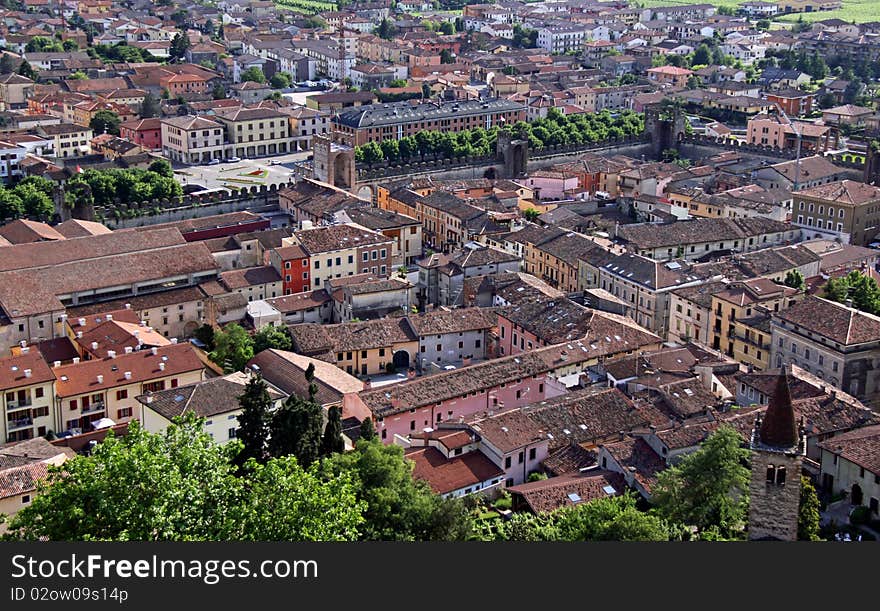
column 25, row 499
column 366, row 256
column 38, row 393
column 317, row 264
column 231, row 433
column 124, row 412
column 381, row 351
column 507, row 463
column 532, row 454
column 73, row 405
column 121, row 394
column 522, row 457
column 383, row 253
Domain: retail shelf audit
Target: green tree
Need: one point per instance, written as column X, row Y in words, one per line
column 794, row 279
column 762, row 25
column 287, row 503
column 271, row 337
column 447, row 28
column 386, row 30
column 37, row 204
column 397, row 83
column 176, row 485
column 708, row 488
column 808, row 512
column 205, row 334
column 253, row 421
column 233, row 348
column 836, row 289
column 219, row 92
column 531, row 214
column 702, row 55
column 209, row 28
column 332, row 442
column 105, row 122
column 149, row 106
column 610, row 519
column 296, row 430
column 7, row 64
column 69, row 45
column 254, row 74
column 368, row 432
column 446, row 57
column 862, row 289
column 399, row 508
column 180, row 44
column 11, row 206
column 79, row 75
column 281, row 80
column 26, row 70
column 162, row 168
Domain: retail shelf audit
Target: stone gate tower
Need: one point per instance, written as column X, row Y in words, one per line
column 665, row 125
column 333, row 162
column 778, row 446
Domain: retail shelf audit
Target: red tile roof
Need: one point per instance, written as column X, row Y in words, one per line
column 446, row 475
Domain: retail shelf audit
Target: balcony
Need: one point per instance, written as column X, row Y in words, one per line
column 94, row 408
column 18, row 424
column 753, row 342
column 11, row 406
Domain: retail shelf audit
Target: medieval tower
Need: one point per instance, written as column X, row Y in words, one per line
column 777, row 445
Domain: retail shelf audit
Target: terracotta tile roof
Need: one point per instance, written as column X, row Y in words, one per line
column 338, row 237
column 299, row 301
column 36, row 449
column 22, row 231
column 230, row 219
column 187, row 294
column 76, row 228
column 204, row 399
column 636, row 456
column 44, row 254
column 82, row 377
column 22, row 479
column 440, row 322
column 861, row 447
column 568, row 459
column 569, row 490
column 844, row 192
column 314, row 338
column 249, row 276
column 286, row 371
column 13, row 368
column 115, row 335
column 427, row 390
column 446, row 475
column 835, row 321
column 652, row 235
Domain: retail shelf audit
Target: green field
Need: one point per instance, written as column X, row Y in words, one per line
column 853, row 10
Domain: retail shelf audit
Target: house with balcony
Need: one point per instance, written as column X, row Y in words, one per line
column 26, row 384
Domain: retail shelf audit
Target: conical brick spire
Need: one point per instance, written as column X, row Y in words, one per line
column 779, row 428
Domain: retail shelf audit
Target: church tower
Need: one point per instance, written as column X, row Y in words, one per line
column 777, row 445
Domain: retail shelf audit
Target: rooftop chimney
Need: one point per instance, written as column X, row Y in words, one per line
column 127, row 306
column 94, row 345
column 136, row 333
column 109, row 316
column 427, row 431
column 127, row 375
column 23, row 343
column 368, row 384
column 75, row 360
column 148, row 396
column 173, row 340
column 79, row 334
column 100, row 379
column 154, row 351
column 128, row 350
column 27, row 373
column 111, row 354
column 25, row 349
column 162, row 366
column 56, row 363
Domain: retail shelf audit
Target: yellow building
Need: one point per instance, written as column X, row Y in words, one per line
column 26, row 384
column 256, row 132
column 742, row 302
column 68, row 139
column 87, row 391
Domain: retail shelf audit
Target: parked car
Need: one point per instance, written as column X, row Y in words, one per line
column 214, row 162
column 233, row 159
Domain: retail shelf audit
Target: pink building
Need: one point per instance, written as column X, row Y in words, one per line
column 492, row 386
column 552, row 184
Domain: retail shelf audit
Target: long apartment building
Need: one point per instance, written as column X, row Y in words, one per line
column 40, row 281
column 39, row 397
column 377, row 122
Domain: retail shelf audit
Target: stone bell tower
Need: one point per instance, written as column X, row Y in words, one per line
column 778, row 445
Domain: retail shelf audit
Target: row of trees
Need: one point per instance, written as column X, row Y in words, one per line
column 179, row 485
column 555, row 129
column 104, row 187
